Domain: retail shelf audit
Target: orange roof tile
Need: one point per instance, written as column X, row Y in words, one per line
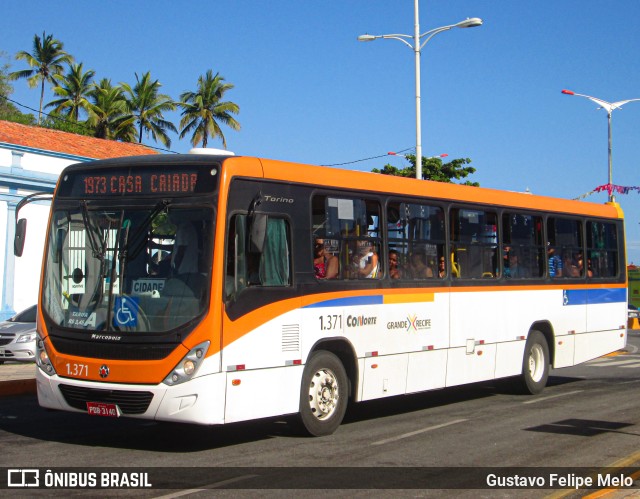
column 68, row 143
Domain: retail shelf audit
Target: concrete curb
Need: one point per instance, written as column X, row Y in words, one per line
column 18, row 387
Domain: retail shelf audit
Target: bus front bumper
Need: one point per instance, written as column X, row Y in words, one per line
column 200, row 400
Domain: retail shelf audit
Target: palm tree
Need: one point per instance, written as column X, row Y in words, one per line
column 74, row 89
column 108, row 113
column 46, row 60
column 147, row 105
column 204, row 110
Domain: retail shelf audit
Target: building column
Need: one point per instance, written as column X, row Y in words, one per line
column 9, row 261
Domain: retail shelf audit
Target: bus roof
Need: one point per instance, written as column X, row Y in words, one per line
column 388, row 184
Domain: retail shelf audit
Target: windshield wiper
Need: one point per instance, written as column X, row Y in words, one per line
column 86, row 219
column 132, row 242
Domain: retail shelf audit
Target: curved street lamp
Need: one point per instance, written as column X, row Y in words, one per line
column 608, row 107
column 417, row 48
column 391, row 153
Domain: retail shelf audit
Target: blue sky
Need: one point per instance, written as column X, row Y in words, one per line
column 309, row 92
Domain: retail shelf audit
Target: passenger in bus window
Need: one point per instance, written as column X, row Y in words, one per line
column 514, row 270
column 442, row 270
column 589, row 268
column 367, row 260
column 419, row 269
column 580, row 265
column 394, row 270
column 555, row 263
column 325, row 265
column 570, row 267
column 505, row 259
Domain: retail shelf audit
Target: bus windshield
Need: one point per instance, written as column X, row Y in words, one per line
column 130, row 270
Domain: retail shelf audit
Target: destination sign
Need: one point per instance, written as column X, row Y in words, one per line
column 183, row 183
column 147, row 182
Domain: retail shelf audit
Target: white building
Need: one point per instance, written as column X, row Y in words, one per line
column 31, row 158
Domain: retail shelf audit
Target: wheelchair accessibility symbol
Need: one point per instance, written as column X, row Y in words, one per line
column 125, row 312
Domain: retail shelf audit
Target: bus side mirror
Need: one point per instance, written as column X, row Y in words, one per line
column 21, row 233
column 257, row 232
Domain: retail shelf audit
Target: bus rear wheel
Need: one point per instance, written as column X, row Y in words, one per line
column 535, row 364
column 323, row 394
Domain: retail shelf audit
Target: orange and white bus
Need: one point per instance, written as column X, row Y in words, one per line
column 213, row 289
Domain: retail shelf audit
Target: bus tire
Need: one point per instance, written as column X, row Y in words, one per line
column 323, row 394
column 535, row 364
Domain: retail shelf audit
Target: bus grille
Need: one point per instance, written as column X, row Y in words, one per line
column 128, row 402
column 112, row 351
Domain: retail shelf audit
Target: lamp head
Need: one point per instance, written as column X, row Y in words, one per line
column 469, row 23
column 366, row 38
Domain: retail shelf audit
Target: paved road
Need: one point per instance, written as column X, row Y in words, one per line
column 15, row 370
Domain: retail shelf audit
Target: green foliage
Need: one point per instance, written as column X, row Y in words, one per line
column 433, row 169
column 8, row 111
column 54, row 122
column 204, row 110
column 146, row 104
column 109, row 115
column 73, row 89
column 6, row 89
column 46, row 60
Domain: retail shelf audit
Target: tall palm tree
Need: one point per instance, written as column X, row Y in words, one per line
column 46, row 60
column 108, row 113
column 204, row 110
column 147, row 105
column 73, row 88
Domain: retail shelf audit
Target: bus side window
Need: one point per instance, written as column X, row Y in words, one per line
column 246, row 266
column 522, row 246
column 474, row 239
column 416, row 235
column 352, row 226
column 602, row 250
column 565, row 247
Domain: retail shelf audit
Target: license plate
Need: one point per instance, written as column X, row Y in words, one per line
column 103, row 409
column 1, row 351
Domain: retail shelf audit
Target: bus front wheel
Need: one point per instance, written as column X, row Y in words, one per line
column 323, row 394
column 535, row 364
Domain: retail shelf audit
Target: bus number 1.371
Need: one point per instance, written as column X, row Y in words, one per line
column 330, row 322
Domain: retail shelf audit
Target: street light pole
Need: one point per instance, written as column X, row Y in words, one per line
column 608, row 107
column 417, row 48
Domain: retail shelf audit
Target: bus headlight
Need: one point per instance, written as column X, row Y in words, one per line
column 188, row 366
column 42, row 358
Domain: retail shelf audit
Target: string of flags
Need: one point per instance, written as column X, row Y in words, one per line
column 610, row 188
